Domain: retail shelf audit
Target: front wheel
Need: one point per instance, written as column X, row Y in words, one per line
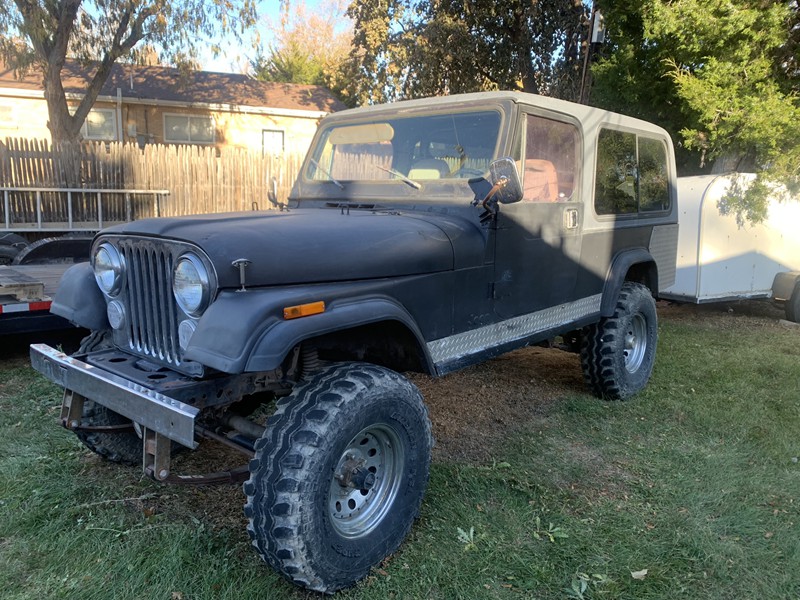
column 339, row 475
column 618, row 352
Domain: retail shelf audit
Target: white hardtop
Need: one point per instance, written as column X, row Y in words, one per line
column 589, row 116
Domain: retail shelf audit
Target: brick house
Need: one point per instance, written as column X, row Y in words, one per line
column 165, row 105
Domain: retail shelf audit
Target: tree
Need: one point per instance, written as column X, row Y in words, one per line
column 412, row 48
column 42, row 34
column 721, row 76
column 312, row 47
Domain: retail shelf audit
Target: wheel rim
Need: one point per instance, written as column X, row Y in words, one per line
column 635, row 343
column 366, row 481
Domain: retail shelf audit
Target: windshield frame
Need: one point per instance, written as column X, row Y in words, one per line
column 397, row 188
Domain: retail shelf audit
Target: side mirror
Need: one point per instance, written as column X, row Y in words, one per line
column 504, row 176
column 272, row 193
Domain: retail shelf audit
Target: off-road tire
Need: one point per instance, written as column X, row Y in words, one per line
column 297, row 509
column 124, row 447
column 11, row 245
column 792, row 306
column 618, row 352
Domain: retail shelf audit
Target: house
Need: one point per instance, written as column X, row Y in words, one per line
column 166, row 105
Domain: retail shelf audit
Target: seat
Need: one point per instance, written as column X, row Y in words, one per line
column 429, row 168
column 541, row 181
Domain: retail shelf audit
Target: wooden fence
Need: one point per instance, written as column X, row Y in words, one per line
column 200, row 179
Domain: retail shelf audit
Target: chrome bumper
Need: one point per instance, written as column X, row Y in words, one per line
column 152, row 410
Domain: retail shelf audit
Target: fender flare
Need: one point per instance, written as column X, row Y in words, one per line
column 277, row 341
column 616, row 277
column 259, row 338
column 79, row 300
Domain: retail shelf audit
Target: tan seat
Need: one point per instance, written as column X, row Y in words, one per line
column 541, row 181
column 429, row 168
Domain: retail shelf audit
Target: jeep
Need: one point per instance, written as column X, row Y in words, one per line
column 422, row 236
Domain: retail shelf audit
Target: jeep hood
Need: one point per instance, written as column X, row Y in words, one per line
column 322, row 245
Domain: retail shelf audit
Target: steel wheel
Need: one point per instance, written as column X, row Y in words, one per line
column 635, row 343
column 338, row 475
column 366, row 480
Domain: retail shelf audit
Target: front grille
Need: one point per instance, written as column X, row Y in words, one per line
column 152, row 328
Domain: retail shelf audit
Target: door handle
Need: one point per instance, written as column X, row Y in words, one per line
column 571, row 218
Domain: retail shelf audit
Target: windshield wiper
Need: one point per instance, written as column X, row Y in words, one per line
column 325, row 172
column 402, row 177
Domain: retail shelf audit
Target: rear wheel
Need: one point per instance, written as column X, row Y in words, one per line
column 339, row 475
column 618, row 352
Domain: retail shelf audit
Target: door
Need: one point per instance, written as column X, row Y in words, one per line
column 538, row 240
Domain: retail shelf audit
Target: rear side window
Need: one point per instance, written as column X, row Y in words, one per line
column 632, row 174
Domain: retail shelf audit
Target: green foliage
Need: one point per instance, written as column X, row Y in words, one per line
column 312, row 48
column 290, row 63
column 720, row 75
column 41, row 34
column 413, row 48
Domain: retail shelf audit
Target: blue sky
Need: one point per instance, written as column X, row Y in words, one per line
column 234, row 56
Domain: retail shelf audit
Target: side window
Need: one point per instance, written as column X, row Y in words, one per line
column 548, row 173
column 653, row 178
column 615, row 183
column 631, row 175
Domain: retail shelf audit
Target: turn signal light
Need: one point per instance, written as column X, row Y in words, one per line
column 303, row 310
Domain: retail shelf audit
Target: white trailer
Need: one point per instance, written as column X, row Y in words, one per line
column 721, row 259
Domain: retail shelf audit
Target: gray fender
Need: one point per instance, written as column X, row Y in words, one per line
column 616, row 277
column 79, row 300
column 246, row 332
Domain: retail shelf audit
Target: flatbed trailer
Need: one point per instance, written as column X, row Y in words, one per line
column 50, row 228
column 26, row 293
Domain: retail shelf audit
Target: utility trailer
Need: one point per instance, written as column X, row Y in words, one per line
column 721, row 258
column 46, row 230
column 26, row 293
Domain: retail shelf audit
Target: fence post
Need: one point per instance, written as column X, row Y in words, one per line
column 38, row 209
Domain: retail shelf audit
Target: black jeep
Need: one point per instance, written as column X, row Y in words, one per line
column 421, row 236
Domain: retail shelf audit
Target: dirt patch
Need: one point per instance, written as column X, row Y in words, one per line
column 475, row 410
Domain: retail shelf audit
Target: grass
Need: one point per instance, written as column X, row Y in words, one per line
column 696, row 482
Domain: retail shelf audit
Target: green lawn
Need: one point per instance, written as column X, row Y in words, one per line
column 691, row 490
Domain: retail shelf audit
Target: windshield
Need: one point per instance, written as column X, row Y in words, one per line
column 407, row 149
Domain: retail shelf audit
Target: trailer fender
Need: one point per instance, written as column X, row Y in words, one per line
column 259, row 338
column 786, row 288
column 640, row 264
column 79, row 300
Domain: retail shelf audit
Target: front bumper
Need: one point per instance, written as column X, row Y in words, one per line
column 149, row 408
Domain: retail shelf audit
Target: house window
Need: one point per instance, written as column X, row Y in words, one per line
column 272, row 141
column 632, row 174
column 100, row 124
column 194, row 129
column 7, row 116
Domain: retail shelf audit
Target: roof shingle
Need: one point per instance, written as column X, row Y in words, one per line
column 170, row 84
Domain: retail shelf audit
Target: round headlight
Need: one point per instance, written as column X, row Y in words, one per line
column 108, row 268
column 190, row 284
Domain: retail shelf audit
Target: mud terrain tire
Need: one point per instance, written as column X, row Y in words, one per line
column 618, row 352
column 339, row 475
